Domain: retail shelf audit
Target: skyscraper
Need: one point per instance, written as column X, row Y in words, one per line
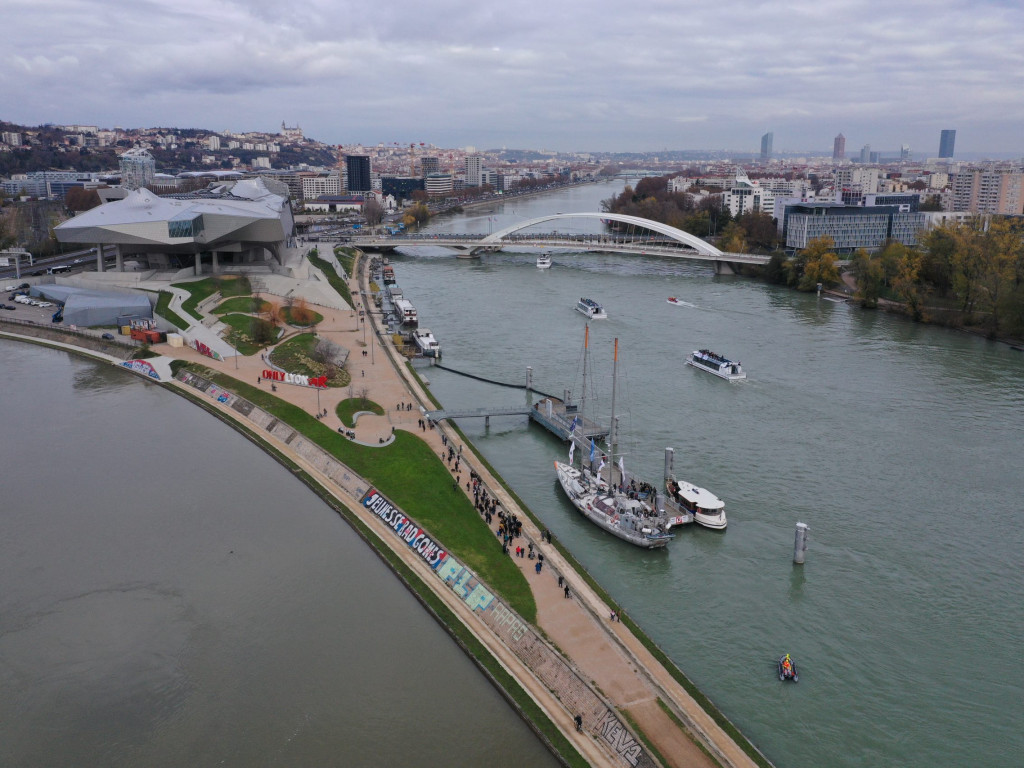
column 839, row 148
column 946, row 141
column 766, row 146
column 358, row 167
column 865, row 154
column 474, row 165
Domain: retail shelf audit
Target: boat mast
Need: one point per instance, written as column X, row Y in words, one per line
column 583, row 394
column 612, row 428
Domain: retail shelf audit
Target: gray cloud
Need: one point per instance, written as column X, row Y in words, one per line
column 565, row 75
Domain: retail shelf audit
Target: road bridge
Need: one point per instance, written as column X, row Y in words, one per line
column 642, row 237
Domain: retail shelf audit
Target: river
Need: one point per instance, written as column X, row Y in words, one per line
column 172, row 596
column 898, row 444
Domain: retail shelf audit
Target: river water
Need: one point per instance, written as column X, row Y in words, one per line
column 899, row 444
column 172, row 596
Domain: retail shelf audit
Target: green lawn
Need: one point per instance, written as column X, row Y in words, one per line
column 336, row 282
column 163, row 308
column 229, row 285
column 287, row 314
column 346, row 409
column 410, row 474
column 246, row 331
column 245, row 304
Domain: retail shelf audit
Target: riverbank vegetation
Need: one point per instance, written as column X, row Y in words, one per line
column 698, row 211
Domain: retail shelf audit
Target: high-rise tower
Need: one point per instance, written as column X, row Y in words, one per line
column 358, row 167
column 839, row 148
column 766, row 146
column 946, row 141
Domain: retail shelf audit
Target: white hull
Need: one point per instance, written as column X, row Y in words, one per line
column 726, row 374
column 591, row 309
column 706, row 508
column 543, row 262
column 599, row 509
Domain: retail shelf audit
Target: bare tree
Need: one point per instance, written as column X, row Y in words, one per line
column 373, row 211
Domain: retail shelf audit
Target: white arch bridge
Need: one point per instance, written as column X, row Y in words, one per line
column 642, row 237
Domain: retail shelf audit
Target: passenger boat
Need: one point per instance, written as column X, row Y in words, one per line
column 715, row 364
column 388, row 274
column 787, row 669
column 591, row 309
column 544, row 261
column 707, row 509
column 406, row 312
column 426, row 342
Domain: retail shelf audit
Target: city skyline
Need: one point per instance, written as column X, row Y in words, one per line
column 580, row 77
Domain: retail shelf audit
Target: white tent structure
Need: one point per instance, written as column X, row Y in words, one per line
column 86, row 307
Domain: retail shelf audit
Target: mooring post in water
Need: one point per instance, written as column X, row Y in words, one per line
column 670, row 454
column 800, row 543
column 529, row 378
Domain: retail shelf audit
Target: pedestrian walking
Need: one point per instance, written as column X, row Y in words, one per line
column 537, row 567
column 561, row 580
column 566, row 591
column 578, row 720
column 257, row 379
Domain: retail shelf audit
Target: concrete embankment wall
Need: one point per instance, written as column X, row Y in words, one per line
column 546, row 664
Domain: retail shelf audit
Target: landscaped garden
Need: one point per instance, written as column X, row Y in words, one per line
column 249, row 334
column 300, row 316
column 199, row 290
column 347, row 409
column 245, row 304
column 300, row 354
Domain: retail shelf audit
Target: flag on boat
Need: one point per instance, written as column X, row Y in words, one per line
column 622, row 471
column 593, row 451
column 575, row 421
column 599, row 468
column 572, row 450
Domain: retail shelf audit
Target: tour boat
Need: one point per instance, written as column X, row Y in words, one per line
column 425, row 340
column 713, row 363
column 628, row 519
column 707, row 509
column 544, row 262
column 591, row 309
column 406, row 312
column 388, row 274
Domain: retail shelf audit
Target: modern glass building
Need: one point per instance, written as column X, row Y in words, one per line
column 766, row 145
column 358, row 169
column 946, row 141
column 850, row 226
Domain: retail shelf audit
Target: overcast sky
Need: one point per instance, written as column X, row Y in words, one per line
column 555, row 74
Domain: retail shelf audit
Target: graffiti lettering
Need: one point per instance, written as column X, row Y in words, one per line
column 619, row 739
column 142, row 366
column 319, row 382
column 504, row 618
column 408, row 531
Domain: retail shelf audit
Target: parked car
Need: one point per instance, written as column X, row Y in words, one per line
column 108, row 336
column 10, row 307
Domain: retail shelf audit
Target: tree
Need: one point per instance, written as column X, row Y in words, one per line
column 419, row 214
column 870, row 278
column 906, row 284
column 733, row 238
column 373, row 211
column 814, row 264
column 80, row 199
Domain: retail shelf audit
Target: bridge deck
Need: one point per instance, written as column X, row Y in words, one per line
column 557, row 418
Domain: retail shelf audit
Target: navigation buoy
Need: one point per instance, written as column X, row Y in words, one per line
column 529, row 378
column 800, row 543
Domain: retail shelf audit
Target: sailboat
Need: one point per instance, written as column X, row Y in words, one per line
column 602, row 501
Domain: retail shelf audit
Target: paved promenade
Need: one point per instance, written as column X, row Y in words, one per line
column 602, row 651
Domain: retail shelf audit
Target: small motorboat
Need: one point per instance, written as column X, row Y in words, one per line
column 787, row 669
